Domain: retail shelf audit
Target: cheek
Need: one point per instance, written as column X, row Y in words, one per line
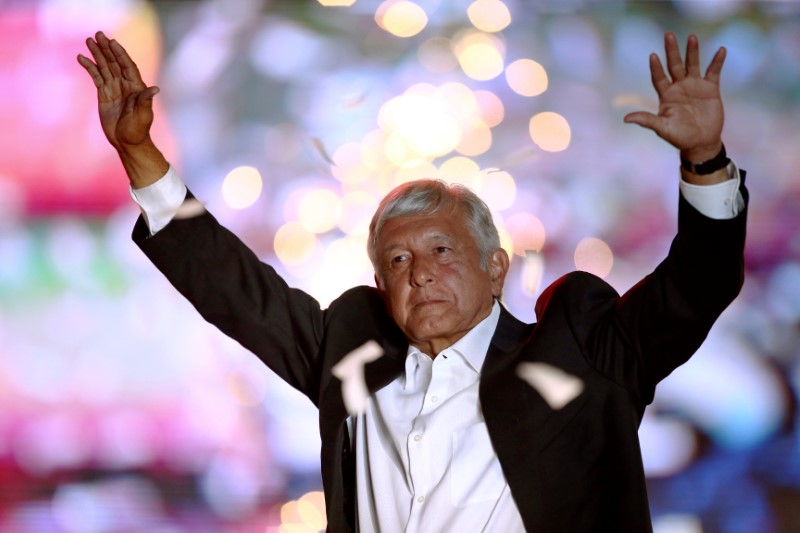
column 395, row 298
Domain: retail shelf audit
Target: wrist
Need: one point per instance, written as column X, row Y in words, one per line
column 699, row 154
column 144, row 163
column 708, row 165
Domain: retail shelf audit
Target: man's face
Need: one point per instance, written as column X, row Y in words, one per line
column 430, row 274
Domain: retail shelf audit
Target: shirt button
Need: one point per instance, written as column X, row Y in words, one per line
column 417, row 437
column 421, row 499
column 434, row 399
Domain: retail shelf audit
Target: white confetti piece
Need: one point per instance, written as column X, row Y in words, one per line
column 557, row 387
column 189, row 209
column 350, row 370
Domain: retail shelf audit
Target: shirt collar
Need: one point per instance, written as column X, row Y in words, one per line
column 473, row 346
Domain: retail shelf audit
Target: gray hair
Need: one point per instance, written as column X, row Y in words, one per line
column 429, row 196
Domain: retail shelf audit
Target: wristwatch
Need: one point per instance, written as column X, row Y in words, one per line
column 718, row 162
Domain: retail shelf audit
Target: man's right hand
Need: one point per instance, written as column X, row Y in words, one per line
column 125, row 104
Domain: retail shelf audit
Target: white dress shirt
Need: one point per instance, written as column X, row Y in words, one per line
column 424, row 461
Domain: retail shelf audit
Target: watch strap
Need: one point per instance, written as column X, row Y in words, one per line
column 718, row 162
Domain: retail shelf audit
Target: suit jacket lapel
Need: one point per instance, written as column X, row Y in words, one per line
column 501, row 393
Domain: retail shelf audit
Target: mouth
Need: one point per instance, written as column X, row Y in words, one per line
column 428, row 303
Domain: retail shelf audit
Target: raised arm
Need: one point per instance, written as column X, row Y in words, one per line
column 690, row 112
column 125, row 104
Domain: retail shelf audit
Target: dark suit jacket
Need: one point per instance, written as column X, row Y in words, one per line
column 574, row 469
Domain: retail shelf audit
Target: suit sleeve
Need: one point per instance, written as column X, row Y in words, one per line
column 242, row 296
column 636, row 340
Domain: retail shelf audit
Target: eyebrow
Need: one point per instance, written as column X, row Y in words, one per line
column 432, row 236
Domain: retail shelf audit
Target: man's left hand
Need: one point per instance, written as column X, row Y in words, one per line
column 690, row 112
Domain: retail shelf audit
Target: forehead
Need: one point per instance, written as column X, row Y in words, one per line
column 449, row 224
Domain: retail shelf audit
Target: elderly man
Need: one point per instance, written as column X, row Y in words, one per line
column 451, row 437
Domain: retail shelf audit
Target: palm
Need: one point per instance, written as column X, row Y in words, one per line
column 122, row 120
column 692, row 113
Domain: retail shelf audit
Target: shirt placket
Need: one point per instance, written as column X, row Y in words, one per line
column 423, row 474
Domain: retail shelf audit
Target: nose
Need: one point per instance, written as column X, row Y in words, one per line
column 422, row 273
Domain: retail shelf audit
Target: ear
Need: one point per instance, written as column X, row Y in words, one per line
column 498, row 268
column 378, row 284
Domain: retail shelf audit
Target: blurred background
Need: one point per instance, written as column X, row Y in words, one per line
column 122, row 411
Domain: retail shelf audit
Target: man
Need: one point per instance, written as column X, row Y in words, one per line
column 451, row 437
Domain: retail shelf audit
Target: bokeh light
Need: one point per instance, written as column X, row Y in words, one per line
column 348, row 165
column 476, row 138
column 419, row 170
column 489, row 15
column 294, row 244
column 304, row 515
column 356, row 211
column 498, row 189
column 480, row 55
column 242, row 187
column 527, row 232
column 491, row 107
column 311, row 510
column 550, row 131
column 526, row 77
column 594, row 256
column 403, row 18
column 420, row 127
column 461, row 170
column 318, row 210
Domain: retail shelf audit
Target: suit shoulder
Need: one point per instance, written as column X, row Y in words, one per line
column 575, row 289
column 359, row 296
column 359, row 315
column 361, row 307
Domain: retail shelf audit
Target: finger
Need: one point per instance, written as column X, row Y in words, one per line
column 693, row 56
column 111, row 59
column 645, row 120
column 674, row 62
column 91, row 68
column 100, row 60
column 715, row 68
column 129, row 69
column 657, row 75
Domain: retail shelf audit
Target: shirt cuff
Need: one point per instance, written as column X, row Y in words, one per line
column 160, row 201
column 721, row 201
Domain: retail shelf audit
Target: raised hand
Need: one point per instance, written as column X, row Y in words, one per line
column 125, row 104
column 690, row 112
column 124, row 101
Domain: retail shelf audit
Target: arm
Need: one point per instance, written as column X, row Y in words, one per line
column 638, row 339
column 666, row 316
column 213, row 269
column 243, row 297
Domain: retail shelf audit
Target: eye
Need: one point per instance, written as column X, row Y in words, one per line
column 441, row 249
column 399, row 259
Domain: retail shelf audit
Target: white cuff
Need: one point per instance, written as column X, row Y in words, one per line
column 720, row 201
column 160, row 201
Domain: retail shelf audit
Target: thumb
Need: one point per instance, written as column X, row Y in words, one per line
column 145, row 98
column 644, row 119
